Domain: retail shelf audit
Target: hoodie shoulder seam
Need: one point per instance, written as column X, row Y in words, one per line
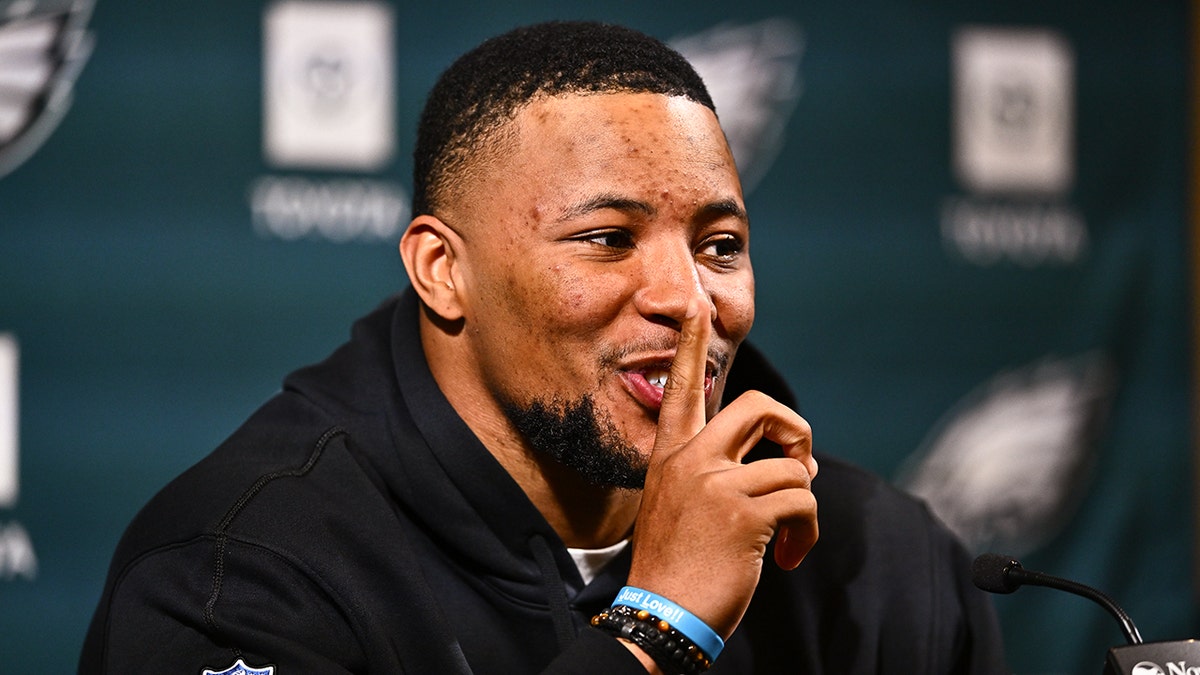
column 222, row 530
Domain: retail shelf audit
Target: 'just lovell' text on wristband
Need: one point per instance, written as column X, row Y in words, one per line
column 684, row 621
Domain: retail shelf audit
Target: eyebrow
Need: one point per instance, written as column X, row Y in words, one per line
column 723, row 207
column 601, row 202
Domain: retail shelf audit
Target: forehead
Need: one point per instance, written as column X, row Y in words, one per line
column 644, row 146
column 579, row 121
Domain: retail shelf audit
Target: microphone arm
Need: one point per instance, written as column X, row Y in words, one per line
column 1000, row 574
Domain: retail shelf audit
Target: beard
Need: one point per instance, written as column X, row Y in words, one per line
column 582, row 438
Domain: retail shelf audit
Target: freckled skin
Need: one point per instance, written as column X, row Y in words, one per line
column 546, row 305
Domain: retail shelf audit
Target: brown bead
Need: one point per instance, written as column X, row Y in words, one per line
column 642, row 615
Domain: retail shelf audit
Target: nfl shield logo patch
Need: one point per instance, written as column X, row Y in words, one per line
column 240, row 668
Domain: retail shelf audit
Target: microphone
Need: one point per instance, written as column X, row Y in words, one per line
column 996, row 573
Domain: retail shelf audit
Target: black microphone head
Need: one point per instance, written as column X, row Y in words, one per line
column 990, row 572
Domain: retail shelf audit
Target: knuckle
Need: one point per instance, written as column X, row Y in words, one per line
column 740, row 517
column 803, row 426
column 677, row 466
column 762, row 399
column 755, row 399
column 678, row 384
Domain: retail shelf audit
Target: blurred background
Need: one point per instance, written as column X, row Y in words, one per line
column 971, row 232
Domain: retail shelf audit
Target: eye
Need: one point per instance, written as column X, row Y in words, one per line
column 723, row 248
column 614, row 239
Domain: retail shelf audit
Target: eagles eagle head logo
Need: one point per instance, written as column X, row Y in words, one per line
column 43, row 46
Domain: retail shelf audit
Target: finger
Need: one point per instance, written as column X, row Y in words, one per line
column 794, row 541
column 682, row 414
column 798, row 527
column 765, row 476
column 753, row 417
column 783, row 485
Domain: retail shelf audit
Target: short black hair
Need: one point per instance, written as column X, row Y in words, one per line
column 486, row 87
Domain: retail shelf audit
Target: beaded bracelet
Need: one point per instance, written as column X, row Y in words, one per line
column 673, row 651
column 689, row 624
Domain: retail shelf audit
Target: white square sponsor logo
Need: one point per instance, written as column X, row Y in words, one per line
column 9, row 485
column 1014, row 110
column 329, row 81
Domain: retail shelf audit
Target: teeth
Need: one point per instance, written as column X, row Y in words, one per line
column 657, row 378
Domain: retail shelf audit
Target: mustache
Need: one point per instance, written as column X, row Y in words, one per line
column 612, row 356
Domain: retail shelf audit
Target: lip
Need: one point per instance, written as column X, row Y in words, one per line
column 633, row 376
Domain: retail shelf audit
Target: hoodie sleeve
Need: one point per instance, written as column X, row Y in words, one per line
column 207, row 604
column 595, row 651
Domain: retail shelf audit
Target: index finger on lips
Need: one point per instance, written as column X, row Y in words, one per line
column 682, row 414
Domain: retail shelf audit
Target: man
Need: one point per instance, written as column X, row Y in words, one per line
column 467, row 485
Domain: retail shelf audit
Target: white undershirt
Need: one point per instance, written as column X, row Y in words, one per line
column 591, row 560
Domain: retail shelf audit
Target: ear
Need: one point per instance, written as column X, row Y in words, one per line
column 429, row 250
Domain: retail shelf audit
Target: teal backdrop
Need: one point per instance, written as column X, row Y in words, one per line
column 970, row 233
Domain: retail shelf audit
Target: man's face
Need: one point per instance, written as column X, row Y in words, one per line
column 584, row 240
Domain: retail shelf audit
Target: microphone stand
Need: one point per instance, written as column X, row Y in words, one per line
column 1000, row 574
column 1024, row 576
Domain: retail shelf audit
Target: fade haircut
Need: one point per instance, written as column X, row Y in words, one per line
column 487, row 86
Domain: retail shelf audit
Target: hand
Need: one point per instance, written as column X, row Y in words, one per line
column 706, row 519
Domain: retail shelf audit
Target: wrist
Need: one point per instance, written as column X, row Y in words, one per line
column 642, row 657
column 660, row 640
column 691, row 626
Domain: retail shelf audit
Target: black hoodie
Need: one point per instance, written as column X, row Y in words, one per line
column 354, row 524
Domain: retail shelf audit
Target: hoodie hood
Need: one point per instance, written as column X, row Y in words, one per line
column 441, row 477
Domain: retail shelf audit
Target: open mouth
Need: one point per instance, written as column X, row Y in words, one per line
column 647, row 383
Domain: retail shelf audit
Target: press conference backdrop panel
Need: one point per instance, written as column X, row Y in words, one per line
column 969, row 230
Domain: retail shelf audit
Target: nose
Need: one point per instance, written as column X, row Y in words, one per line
column 670, row 278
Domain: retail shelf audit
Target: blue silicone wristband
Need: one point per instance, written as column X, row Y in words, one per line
column 684, row 621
